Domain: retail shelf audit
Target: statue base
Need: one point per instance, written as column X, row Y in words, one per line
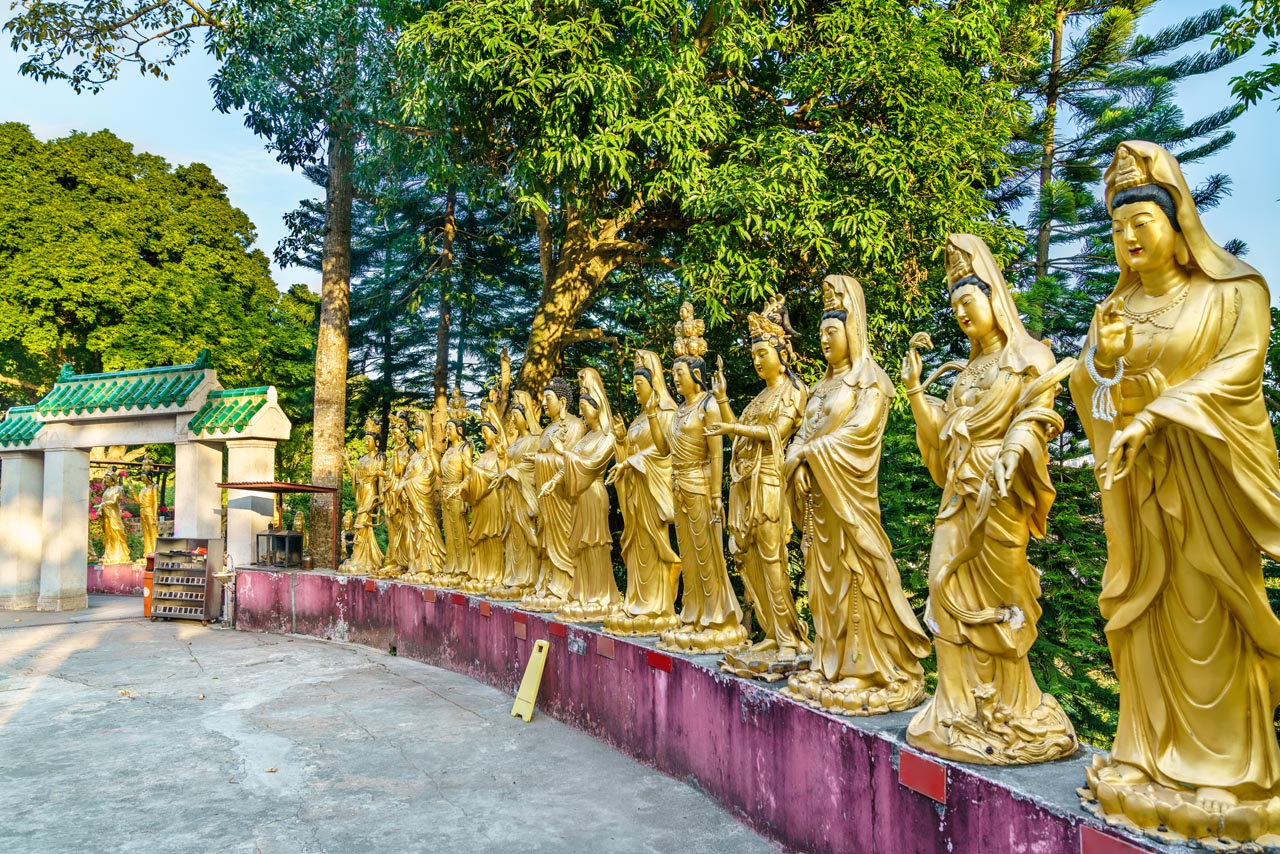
column 766, row 663
column 476, row 586
column 624, row 625
column 541, row 603
column 693, row 641
column 504, row 593
column 851, row 697
column 1177, row 815
column 994, row 736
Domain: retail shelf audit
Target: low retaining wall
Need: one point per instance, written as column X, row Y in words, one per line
column 124, row 579
column 812, row 781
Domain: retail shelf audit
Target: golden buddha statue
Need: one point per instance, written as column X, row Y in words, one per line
column 555, row 512
column 483, row 491
column 148, row 500
column 867, row 642
column 115, row 543
column 394, row 507
column 520, row 546
column 593, row 593
column 759, row 518
column 367, row 480
column 986, row 445
column 642, row 479
column 455, row 465
column 426, row 543
column 711, row 620
column 1169, row 393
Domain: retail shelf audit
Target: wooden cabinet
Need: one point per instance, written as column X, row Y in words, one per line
column 183, row 586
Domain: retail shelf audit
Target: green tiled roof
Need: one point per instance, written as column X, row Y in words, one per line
column 148, row 388
column 19, row 426
column 228, row 411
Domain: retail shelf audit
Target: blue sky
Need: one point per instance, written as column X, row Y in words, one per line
column 176, row 120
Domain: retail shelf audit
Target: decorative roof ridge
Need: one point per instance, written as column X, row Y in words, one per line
column 203, row 361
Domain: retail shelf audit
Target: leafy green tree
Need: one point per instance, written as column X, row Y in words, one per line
column 1255, row 20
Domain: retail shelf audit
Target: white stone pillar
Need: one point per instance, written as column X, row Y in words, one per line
column 248, row 461
column 65, row 531
column 21, row 488
column 197, row 470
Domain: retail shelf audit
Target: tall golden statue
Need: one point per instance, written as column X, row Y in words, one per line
column 594, row 592
column 759, row 518
column 520, row 546
column 115, row 543
column 455, row 464
column 418, row 488
column 986, row 445
column 555, row 512
column 394, row 506
column 642, row 478
column 367, row 479
column 483, row 491
column 1169, row 392
column 148, row 500
column 711, row 620
column 867, row 642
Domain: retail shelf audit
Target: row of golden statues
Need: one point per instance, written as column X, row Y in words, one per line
column 1169, row 391
column 146, row 494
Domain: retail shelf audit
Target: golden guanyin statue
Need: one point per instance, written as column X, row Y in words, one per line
column 483, row 492
column 148, row 500
column 115, row 543
column 555, row 511
column 711, row 619
column 759, row 517
column 1169, row 391
column 867, row 642
column 593, row 593
column 367, row 479
column 520, row 545
column 419, row 492
column 642, row 479
column 455, row 464
column 394, row 506
column 986, row 445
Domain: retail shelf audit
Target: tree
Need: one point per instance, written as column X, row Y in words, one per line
column 1255, row 20
column 111, row 259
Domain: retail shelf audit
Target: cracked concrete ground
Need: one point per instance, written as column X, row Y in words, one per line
column 121, row 734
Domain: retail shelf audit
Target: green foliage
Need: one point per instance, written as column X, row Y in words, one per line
column 1255, row 20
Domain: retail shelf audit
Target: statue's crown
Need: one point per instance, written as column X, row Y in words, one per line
column 770, row 324
column 1129, row 172
column 688, row 338
column 371, row 427
column 458, row 405
column 830, row 298
column 959, row 265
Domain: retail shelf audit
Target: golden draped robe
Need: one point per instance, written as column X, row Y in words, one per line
column 457, row 541
column 643, row 485
column 426, row 545
column 488, row 519
column 115, row 543
column 555, row 512
column 584, row 468
column 521, row 549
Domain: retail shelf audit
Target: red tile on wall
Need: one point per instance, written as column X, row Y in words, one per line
column 1094, row 841
column 923, row 775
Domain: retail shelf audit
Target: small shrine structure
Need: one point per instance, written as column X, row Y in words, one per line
column 44, row 468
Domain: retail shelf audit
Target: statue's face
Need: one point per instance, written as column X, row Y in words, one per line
column 488, row 435
column 552, row 404
column 371, row 443
column 686, row 311
column 589, row 413
column 641, row 387
column 1143, row 236
column 517, row 420
column 451, row 432
column 419, row 439
column 683, row 378
column 765, row 359
column 835, row 340
column 973, row 311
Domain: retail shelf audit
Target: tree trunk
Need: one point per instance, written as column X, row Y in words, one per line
column 1050, row 137
column 329, row 439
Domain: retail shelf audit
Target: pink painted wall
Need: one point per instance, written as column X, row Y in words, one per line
column 121, row 579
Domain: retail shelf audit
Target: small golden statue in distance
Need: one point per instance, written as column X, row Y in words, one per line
column 418, row 489
column 689, row 331
column 867, row 642
column 482, row 490
column 394, row 507
column 115, row 543
column 520, row 546
column 593, row 595
column 711, row 620
column 986, row 445
column 148, row 500
column 455, row 464
column 367, row 479
column 1169, row 392
column 759, row 516
column 555, row 512
column 642, row 479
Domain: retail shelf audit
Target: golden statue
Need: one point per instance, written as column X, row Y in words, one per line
column 759, row 518
column 148, row 500
column 986, row 445
column 594, row 592
column 455, row 464
column 711, row 620
column 483, row 491
column 115, row 543
column 555, row 512
column 418, row 489
column 394, row 507
column 520, row 546
column 689, row 331
column 642, row 478
column 867, row 642
column 1169, row 392
column 367, row 481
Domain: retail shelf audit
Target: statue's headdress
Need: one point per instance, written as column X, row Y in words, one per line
column 371, row 427
column 560, row 387
column 458, row 406
column 688, row 334
column 770, row 325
